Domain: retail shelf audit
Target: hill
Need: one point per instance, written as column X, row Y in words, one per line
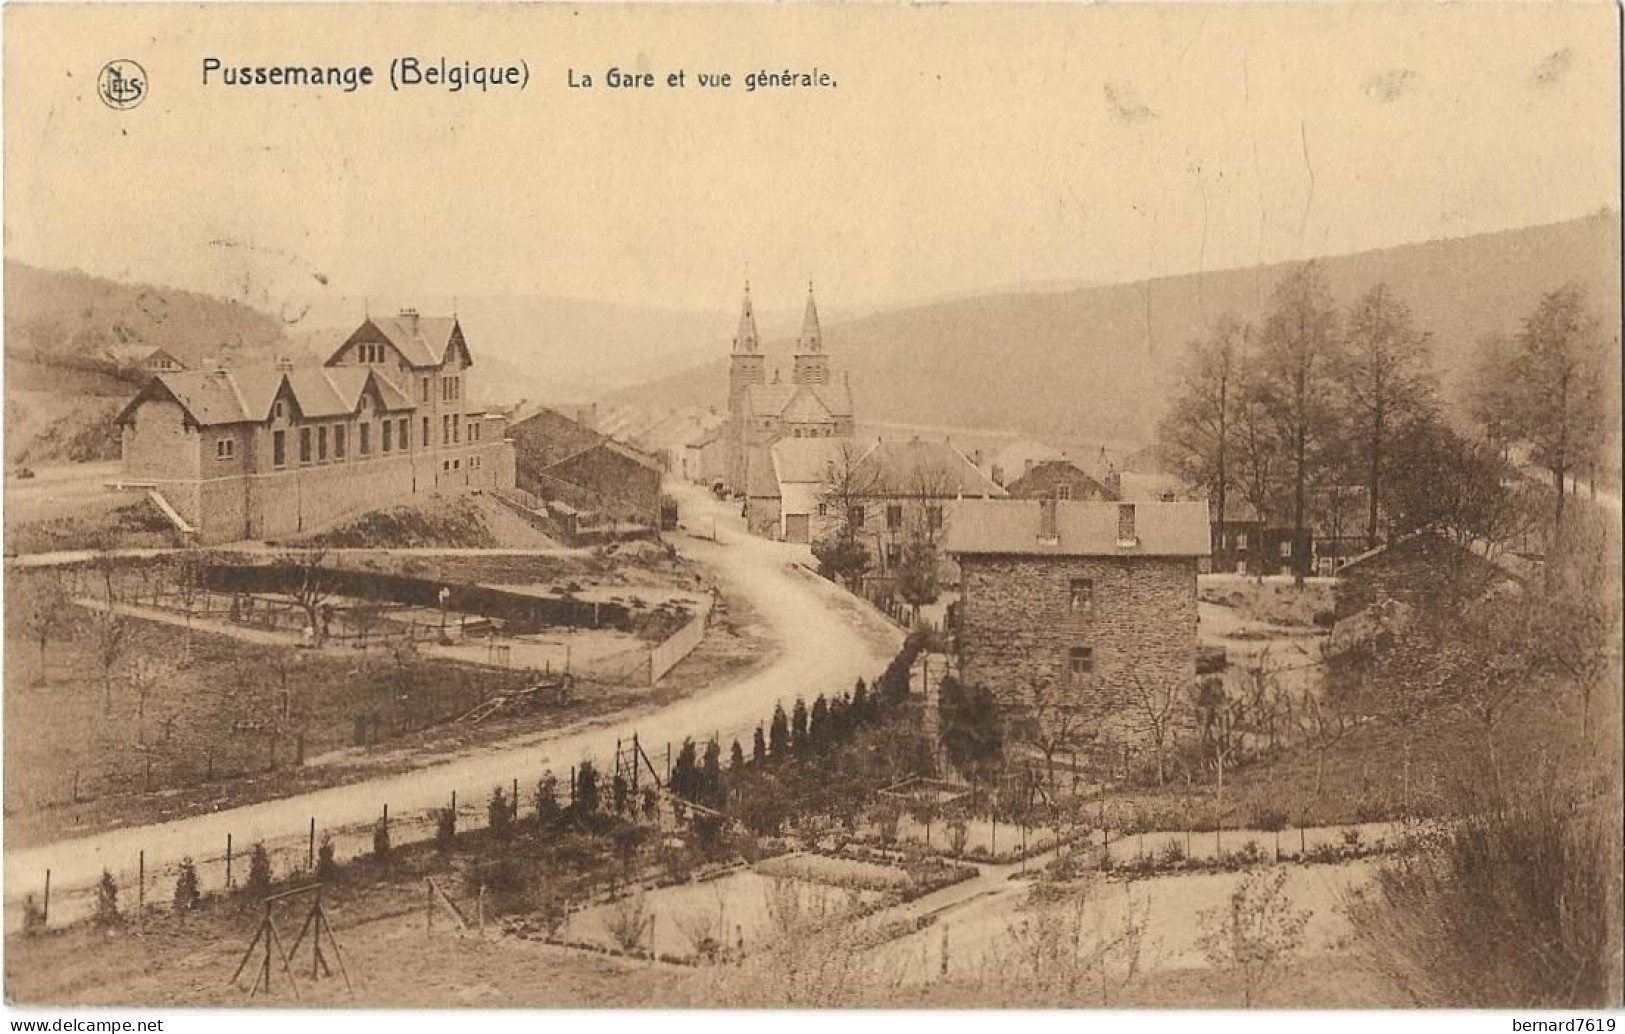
column 63, row 387
column 1095, row 362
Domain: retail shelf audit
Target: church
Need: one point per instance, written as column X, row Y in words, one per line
column 761, row 412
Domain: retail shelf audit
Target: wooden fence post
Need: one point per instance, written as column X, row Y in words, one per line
column 310, row 847
column 45, row 912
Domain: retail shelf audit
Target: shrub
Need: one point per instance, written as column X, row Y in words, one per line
column 186, row 887
column 958, row 834
column 499, row 815
column 1250, row 854
column 327, row 867
column 107, row 913
column 1351, row 838
column 258, row 883
column 1269, row 819
column 1507, row 908
column 445, row 828
column 33, row 917
column 547, row 802
column 380, row 843
column 1172, row 854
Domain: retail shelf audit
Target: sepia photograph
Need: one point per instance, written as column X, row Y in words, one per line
column 812, row 506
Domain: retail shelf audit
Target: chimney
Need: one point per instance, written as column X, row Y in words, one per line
column 976, row 457
column 1049, row 533
column 1028, row 465
column 1126, row 538
column 410, row 314
column 284, row 363
column 1114, row 484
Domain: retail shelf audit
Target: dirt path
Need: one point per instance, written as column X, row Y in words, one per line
column 826, row 641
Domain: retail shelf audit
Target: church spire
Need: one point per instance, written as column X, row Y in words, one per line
column 812, row 336
column 746, row 340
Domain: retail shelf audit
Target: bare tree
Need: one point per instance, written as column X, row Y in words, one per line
column 1157, row 701
column 1058, row 724
column 1256, row 933
column 45, row 611
column 847, row 486
column 146, row 674
column 190, row 579
column 310, row 585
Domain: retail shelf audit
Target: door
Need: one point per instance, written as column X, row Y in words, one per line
column 795, row 527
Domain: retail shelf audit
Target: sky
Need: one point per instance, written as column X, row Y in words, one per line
column 962, row 149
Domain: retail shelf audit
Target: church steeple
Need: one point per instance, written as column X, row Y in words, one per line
column 746, row 341
column 812, row 365
column 812, row 336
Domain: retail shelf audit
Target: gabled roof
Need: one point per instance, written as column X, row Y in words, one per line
column 805, row 407
column 906, row 468
column 1011, row 527
column 1050, row 472
column 213, row 398
column 760, row 480
column 769, row 399
column 544, row 438
column 807, row 460
column 422, row 340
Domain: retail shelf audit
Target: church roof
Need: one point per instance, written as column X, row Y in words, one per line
column 746, row 339
column 807, row 460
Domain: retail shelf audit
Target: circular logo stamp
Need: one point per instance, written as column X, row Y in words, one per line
column 122, row 84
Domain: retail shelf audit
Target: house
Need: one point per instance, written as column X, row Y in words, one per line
column 762, row 412
column 1058, row 479
column 559, row 459
column 254, row 454
column 1078, row 607
column 910, row 490
column 787, row 483
column 1015, row 459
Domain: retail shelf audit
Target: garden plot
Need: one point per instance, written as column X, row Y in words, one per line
column 983, row 934
column 985, row 840
column 1210, row 846
column 739, row 912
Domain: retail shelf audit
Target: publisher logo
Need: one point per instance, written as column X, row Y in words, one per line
column 122, row 84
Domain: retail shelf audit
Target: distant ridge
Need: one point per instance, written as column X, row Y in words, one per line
column 1096, row 361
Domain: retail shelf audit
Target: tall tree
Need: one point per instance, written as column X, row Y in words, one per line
column 844, row 491
column 1197, row 435
column 1558, row 392
column 1386, row 378
column 1298, row 352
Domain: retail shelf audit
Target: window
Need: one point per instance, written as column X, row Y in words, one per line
column 894, row 554
column 225, row 449
column 1063, row 492
column 823, row 509
column 276, row 410
column 1241, row 540
column 338, row 442
column 474, row 432
column 279, row 448
column 1080, row 661
column 456, row 427
column 425, row 390
column 389, row 434
column 445, row 465
column 425, row 438
column 798, row 432
column 366, row 438
column 894, row 516
column 1286, row 549
column 854, row 517
column 304, row 445
column 321, row 445
column 933, row 517
column 445, row 430
column 1082, row 595
column 406, row 427
column 456, row 464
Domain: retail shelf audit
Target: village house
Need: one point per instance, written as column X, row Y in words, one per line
column 1058, row 479
column 1079, row 608
column 255, row 454
column 559, row 460
column 762, row 412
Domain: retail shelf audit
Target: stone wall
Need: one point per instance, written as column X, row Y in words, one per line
column 1019, row 628
column 299, row 499
column 158, row 444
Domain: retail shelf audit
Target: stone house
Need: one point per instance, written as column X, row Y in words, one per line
column 255, row 454
column 1078, row 607
column 558, row 459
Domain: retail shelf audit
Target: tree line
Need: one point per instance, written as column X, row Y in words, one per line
column 1316, row 398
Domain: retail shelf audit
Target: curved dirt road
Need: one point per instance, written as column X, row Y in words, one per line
column 826, row 641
